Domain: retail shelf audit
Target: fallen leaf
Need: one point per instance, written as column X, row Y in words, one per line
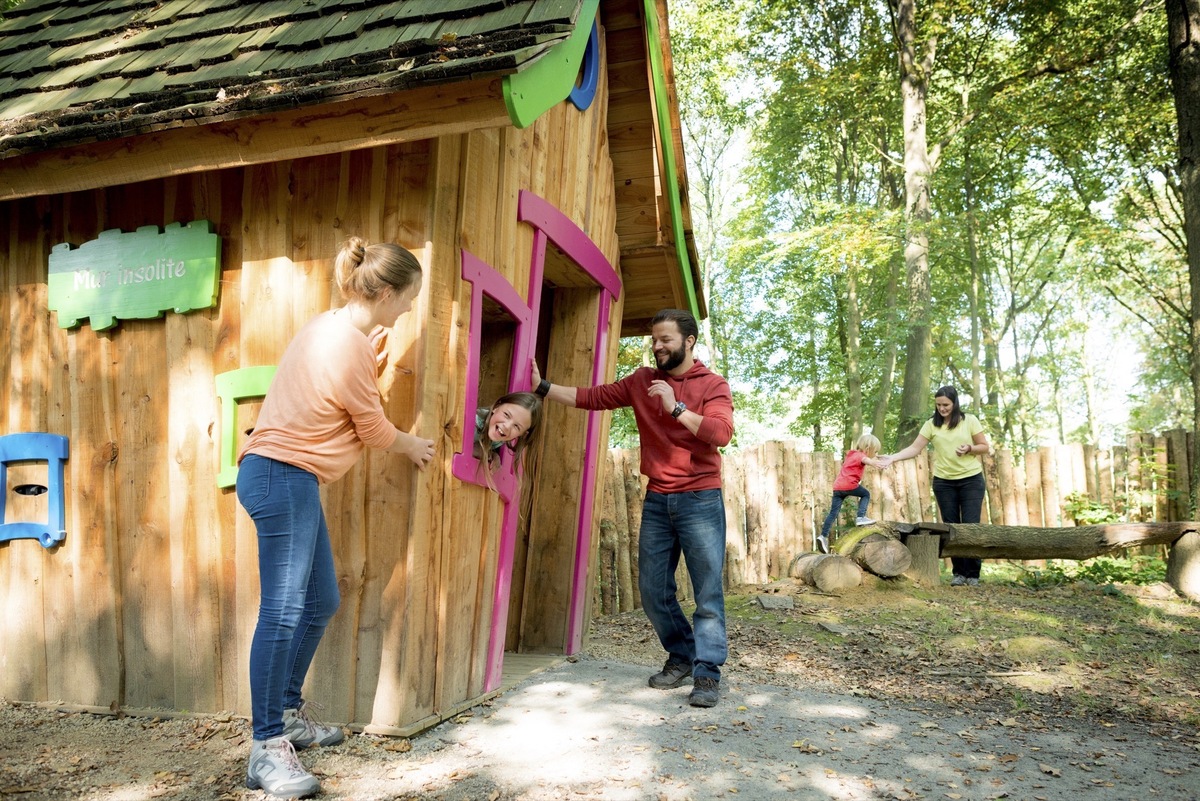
column 1049, row 771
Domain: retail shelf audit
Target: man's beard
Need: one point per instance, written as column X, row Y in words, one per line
column 674, row 359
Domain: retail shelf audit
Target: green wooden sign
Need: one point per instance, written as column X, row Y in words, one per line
column 135, row 276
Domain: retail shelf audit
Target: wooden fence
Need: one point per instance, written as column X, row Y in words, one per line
column 777, row 496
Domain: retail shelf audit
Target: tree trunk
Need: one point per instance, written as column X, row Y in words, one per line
column 853, row 377
column 1183, row 38
column 887, row 370
column 914, row 84
column 1080, row 542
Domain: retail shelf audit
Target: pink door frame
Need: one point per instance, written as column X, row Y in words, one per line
column 550, row 225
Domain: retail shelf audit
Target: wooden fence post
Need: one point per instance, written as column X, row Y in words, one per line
column 1051, row 510
column 1162, row 480
column 1033, row 488
column 734, row 480
column 1177, row 458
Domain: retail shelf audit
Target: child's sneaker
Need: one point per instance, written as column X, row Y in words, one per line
column 275, row 769
column 304, row 731
column 863, row 521
column 822, row 543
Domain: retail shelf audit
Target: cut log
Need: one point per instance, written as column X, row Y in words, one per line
column 882, row 555
column 1183, row 565
column 924, row 549
column 827, row 572
column 1080, row 542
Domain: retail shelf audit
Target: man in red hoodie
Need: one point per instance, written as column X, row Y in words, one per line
column 684, row 413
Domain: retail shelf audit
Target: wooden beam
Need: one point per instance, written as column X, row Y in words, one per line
column 422, row 113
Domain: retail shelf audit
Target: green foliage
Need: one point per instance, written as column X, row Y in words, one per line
column 1100, row 570
column 632, row 353
column 1087, row 512
column 1055, row 234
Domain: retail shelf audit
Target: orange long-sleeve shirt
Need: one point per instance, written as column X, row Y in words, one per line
column 323, row 406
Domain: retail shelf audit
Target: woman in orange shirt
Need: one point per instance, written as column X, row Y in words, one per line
column 322, row 410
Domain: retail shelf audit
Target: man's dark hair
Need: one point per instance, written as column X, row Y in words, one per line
column 685, row 321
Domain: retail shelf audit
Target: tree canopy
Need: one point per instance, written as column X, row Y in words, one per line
column 897, row 195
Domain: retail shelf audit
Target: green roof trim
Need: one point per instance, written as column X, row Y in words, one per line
column 658, row 77
column 548, row 81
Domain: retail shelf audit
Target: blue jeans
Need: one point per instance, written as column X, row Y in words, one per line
column 960, row 500
column 864, row 499
column 691, row 523
column 298, row 580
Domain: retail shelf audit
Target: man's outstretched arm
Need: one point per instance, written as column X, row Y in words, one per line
column 554, row 392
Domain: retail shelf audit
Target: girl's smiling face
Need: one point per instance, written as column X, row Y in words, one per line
column 507, row 422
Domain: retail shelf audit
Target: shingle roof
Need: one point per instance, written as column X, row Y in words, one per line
column 78, row 70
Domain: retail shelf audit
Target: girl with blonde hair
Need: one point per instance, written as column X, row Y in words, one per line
column 849, row 482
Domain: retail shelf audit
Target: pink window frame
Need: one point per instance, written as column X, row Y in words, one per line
column 549, row 226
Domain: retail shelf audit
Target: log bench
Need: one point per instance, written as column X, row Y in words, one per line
column 929, row 542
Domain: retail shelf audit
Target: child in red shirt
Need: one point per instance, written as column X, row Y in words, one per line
column 849, row 482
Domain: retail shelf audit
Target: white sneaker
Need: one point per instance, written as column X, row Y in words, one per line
column 822, row 543
column 863, row 521
column 275, row 769
column 958, row 581
column 305, row 731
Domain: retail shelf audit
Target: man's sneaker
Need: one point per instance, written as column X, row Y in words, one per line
column 972, row 582
column 705, row 692
column 822, row 543
column 304, row 731
column 958, row 581
column 275, row 769
column 863, row 521
column 673, row 674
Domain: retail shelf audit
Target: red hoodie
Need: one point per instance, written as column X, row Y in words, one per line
column 673, row 458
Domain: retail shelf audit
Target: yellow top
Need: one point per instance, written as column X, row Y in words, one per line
column 947, row 463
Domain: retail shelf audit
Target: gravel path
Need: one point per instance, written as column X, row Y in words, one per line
column 592, row 729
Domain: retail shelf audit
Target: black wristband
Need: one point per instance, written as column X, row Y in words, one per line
column 543, row 389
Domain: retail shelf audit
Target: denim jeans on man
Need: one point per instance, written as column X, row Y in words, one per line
column 864, row 500
column 960, row 500
column 299, row 584
column 692, row 523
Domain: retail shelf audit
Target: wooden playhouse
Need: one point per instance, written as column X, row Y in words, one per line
column 175, row 178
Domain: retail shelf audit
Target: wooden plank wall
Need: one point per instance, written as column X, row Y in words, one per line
column 152, row 600
column 776, row 498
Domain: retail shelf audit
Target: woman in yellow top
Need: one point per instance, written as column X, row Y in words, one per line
column 958, row 440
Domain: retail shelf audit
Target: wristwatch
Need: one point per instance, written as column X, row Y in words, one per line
column 679, row 409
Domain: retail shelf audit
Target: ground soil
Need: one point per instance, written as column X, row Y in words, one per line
column 885, row 692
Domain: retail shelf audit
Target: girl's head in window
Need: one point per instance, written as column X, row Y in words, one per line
column 514, row 420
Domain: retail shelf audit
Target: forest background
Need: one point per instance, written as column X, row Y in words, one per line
column 889, row 196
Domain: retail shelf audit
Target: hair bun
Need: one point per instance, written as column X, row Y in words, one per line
column 356, row 249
